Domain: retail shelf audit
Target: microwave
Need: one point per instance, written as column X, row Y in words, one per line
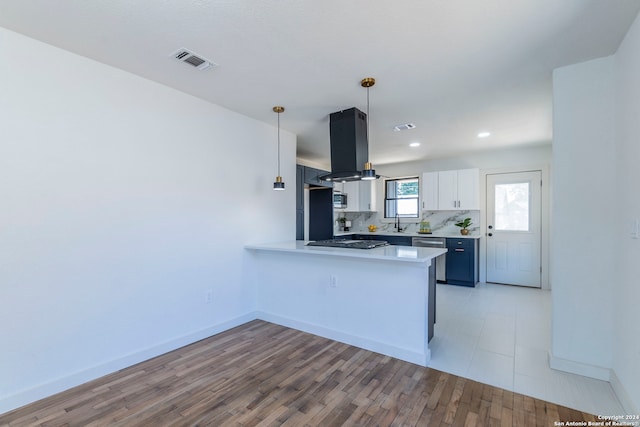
column 339, row 200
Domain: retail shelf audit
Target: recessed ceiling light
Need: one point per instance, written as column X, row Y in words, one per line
column 414, row 144
column 484, row 134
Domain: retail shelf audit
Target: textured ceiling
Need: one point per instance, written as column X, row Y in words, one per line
column 453, row 68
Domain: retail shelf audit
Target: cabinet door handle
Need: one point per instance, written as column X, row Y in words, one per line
column 459, row 250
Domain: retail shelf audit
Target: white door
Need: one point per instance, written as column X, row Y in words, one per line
column 513, row 228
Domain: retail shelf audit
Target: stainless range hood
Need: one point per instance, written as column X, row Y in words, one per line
column 349, row 145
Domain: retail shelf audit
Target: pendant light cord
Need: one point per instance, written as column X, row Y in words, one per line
column 368, row 134
column 278, row 144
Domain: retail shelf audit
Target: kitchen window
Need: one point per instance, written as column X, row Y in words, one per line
column 401, row 197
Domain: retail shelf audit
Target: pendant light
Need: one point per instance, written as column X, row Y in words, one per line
column 368, row 172
column 279, row 183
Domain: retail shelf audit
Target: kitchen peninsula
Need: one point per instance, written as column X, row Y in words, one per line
column 380, row 299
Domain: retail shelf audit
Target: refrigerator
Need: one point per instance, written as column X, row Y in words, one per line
column 318, row 218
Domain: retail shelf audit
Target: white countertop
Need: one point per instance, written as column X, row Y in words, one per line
column 410, row 234
column 386, row 253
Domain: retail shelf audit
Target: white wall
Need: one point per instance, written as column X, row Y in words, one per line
column 582, row 266
column 595, row 261
column 626, row 295
column 122, row 203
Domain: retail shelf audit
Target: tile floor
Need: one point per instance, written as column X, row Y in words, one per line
column 501, row 335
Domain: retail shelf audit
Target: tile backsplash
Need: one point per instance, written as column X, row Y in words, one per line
column 441, row 221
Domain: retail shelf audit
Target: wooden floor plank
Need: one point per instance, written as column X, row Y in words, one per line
column 454, row 401
column 261, row 374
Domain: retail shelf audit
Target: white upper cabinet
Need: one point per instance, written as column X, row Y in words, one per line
column 361, row 196
column 469, row 189
column 448, row 190
column 451, row 190
column 430, row 191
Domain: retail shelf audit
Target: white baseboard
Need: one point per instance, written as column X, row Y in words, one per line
column 598, row 373
column 579, row 368
column 364, row 343
column 23, row 397
column 623, row 396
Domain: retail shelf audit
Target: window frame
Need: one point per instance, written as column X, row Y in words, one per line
column 386, row 218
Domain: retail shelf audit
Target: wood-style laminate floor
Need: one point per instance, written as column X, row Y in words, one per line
column 268, row 375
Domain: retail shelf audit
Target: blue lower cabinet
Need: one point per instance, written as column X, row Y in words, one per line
column 462, row 262
column 398, row 240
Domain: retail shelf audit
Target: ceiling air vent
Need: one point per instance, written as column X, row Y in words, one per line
column 193, row 59
column 405, row 126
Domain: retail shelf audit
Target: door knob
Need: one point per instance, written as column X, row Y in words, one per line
column 490, row 227
column 490, row 234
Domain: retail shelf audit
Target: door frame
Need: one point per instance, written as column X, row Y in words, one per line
column 545, row 229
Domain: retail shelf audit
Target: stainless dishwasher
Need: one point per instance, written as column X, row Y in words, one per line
column 435, row 242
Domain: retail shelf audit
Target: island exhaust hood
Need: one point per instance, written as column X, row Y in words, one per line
column 350, row 144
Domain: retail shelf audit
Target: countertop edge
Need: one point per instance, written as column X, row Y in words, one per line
column 385, row 253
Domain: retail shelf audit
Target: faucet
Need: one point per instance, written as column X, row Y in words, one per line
column 397, row 225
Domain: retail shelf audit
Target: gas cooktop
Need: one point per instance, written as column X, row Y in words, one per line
column 353, row 244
